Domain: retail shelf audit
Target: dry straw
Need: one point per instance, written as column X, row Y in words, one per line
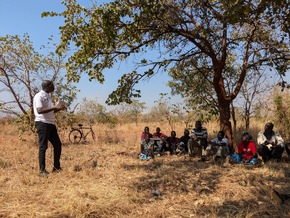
column 106, row 179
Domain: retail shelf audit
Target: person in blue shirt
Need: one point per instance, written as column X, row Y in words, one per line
column 218, row 146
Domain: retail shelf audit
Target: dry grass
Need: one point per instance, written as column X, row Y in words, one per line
column 106, row 179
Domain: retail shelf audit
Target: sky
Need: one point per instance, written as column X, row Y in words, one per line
column 24, row 16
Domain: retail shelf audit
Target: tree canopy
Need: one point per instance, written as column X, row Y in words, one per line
column 198, row 36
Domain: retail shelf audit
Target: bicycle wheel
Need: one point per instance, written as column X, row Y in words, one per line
column 75, row 136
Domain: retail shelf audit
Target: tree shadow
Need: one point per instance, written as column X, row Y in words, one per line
column 183, row 176
column 173, row 176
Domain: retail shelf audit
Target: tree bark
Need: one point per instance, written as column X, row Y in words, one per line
column 225, row 123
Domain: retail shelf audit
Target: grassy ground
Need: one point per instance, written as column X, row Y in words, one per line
column 106, row 179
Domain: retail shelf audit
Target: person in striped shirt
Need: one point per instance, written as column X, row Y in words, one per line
column 198, row 139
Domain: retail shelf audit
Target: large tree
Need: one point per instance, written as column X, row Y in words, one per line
column 201, row 35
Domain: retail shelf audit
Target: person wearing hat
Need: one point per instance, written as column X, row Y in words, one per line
column 270, row 144
column 44, row 110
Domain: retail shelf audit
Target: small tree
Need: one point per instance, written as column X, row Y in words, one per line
column 90, row 111
column 255, row 85
column 130, row 112
column 165, row 111
column 22, row 70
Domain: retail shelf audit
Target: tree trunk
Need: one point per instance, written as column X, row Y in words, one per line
column 247, row 122
column 225, row 123
column 233, row 113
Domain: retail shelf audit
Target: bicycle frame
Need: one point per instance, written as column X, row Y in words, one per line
column 77, row 134
column 84, row 135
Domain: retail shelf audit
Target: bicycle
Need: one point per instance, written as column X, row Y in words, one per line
column 77, row 134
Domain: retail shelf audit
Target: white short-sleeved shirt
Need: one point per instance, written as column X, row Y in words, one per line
column 43, row 100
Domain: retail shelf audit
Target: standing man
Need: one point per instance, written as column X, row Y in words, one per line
column 198, row 139
column 44, row 110
column 271, row 144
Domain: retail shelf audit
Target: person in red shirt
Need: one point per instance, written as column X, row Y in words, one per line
column 172, row 143
column 146, row 131
column 247, row 149
column 160, row 140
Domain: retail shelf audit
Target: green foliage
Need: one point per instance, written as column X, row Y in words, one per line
column 195, row 88
column 198, row 33
column 202, row 36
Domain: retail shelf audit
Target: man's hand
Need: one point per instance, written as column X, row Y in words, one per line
column 60, row 105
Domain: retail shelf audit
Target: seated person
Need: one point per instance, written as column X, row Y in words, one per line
column 270, row 144
column 247, row 152
column 146, row 131
column 161, row 140
column 146, row 148
column 218, row 146
column 198, row 139
column 183, row 141
column 172, row 143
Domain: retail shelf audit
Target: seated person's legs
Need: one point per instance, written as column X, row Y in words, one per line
column 190, row 146
column 166, row 147
column 173, row 149
column 182, row 148
column 209, row 150
column 264, row 152
column 193, row 146
column 277, row 154
column 158, row 146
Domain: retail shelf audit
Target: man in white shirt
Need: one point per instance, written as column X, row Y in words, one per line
column 270, row 144
column 44, row 110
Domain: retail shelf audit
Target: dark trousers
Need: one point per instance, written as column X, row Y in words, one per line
column 268, row 154
column 48, row 132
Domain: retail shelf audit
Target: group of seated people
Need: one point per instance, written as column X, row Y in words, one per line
column 270, row 145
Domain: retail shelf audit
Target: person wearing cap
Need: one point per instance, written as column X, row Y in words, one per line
column 44, row 110
column 270, row 144
column 198, row 139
